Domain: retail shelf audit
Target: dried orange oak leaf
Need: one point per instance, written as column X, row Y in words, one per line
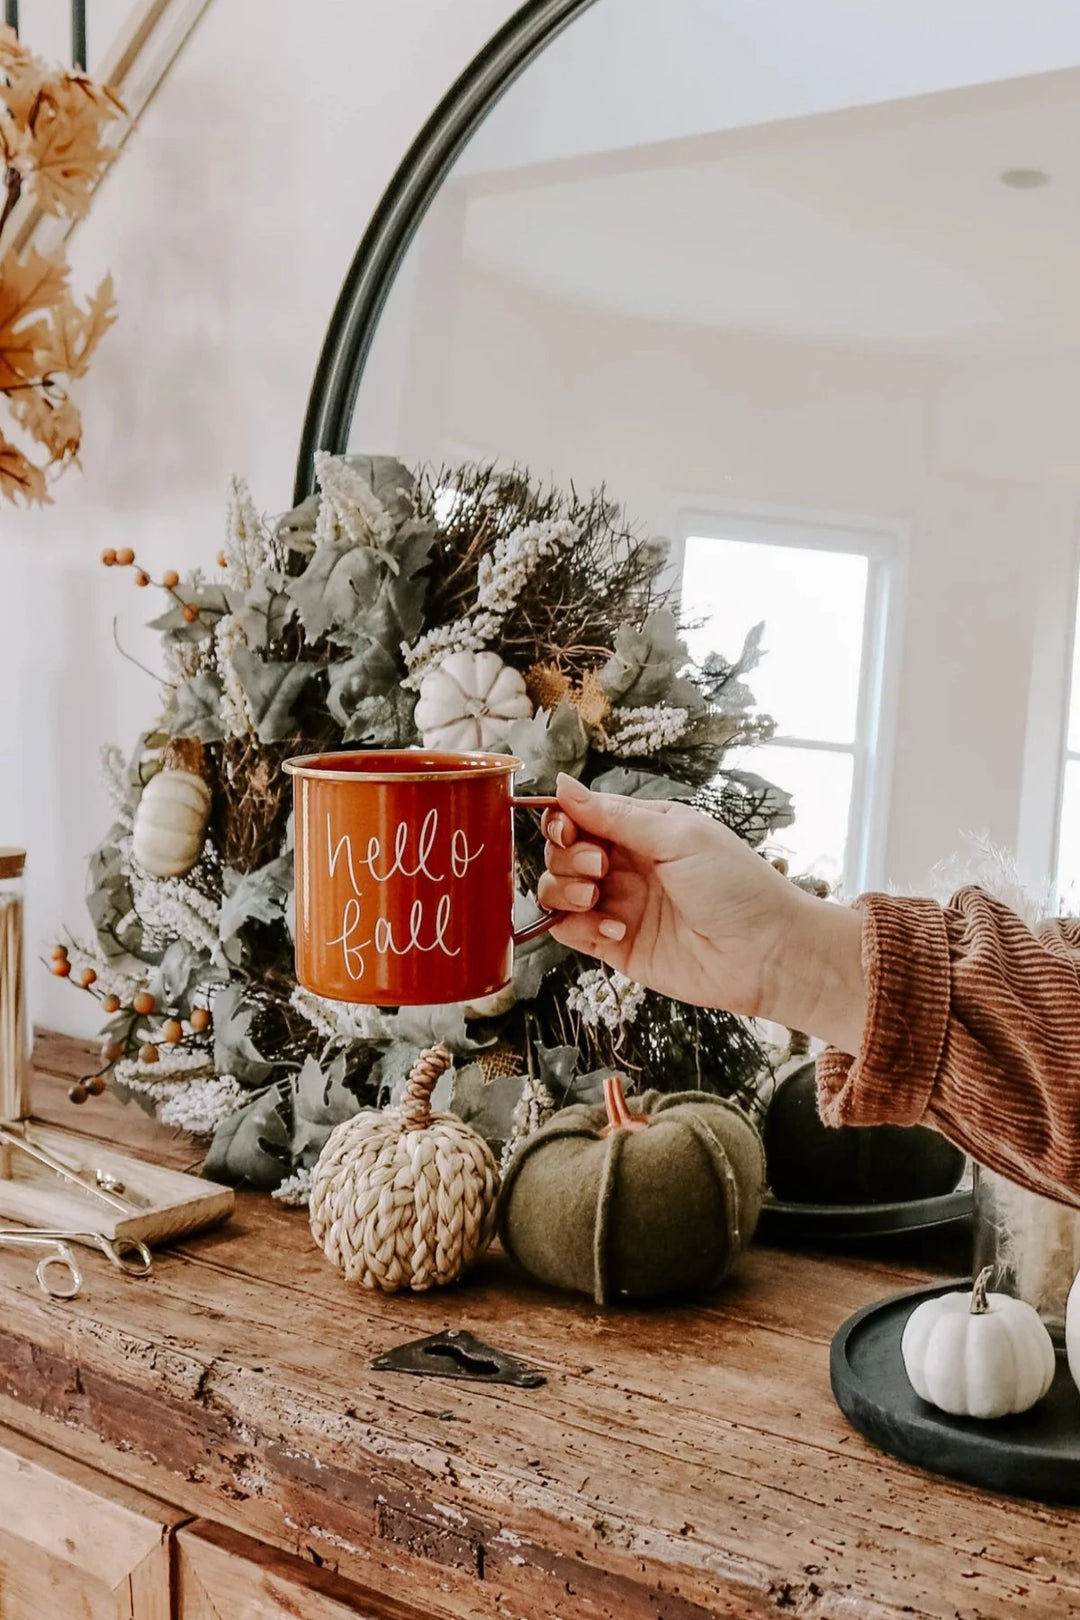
column 55, row 424
column 19, row 477
column 75, row 333
column 53, row 148
column 29, row 288
column 65, row 153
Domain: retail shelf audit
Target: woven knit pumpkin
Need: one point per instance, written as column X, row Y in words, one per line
column 404, row 1198
column 626, row 1205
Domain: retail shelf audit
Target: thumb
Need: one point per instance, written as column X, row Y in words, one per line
column 638, row 825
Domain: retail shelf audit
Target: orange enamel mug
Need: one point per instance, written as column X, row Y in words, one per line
column 405, row 875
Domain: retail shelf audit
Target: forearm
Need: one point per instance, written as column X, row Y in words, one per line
column 814, row 979
column 973, row 1026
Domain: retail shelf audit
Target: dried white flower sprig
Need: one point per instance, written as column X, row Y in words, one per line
column 244, row 551
column 349, row 508
column 236, row 716
column 632, row 733
column 295, row 1190
column 501, row 578
column 608, row 999
column 199, row 1106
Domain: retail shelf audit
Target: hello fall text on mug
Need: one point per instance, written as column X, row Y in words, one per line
column 435, row 854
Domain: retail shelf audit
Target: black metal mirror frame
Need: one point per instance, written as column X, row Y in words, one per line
column 397, row 218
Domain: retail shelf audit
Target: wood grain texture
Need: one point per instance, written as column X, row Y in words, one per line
column 680, row 1462
column 75, row 1544
column 225, row 1576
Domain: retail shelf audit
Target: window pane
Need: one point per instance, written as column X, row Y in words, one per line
column 1069, row 844
column 813, row 604
column 820, row 784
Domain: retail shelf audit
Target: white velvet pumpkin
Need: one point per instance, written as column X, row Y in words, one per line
column 468, row 702
column 1072, row 1331
column 978, row 1355
column 170, row 823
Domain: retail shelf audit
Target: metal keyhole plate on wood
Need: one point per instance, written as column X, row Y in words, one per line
column 458, row 1354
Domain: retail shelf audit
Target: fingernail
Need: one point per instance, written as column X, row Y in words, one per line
column 589, row 862
column 581, row 894
column 612, row 929
column 568, row 787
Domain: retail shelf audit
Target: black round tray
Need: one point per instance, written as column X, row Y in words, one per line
column 1034, row 1454
column 862, row 1220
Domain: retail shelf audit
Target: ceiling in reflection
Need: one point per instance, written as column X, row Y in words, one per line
column 631, row 72
column 885, row 226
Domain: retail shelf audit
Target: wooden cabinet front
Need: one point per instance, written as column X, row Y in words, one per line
column 75, row 1545
column 225, row 1576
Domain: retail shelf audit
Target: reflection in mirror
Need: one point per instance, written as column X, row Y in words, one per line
column 797, row 283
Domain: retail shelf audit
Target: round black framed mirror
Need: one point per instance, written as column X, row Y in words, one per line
column 400, row 213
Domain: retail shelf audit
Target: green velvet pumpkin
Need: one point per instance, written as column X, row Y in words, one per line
column 627, row 1205
column 810, row 1162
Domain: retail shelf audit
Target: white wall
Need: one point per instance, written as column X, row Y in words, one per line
column 228, row 227
column 976, row 459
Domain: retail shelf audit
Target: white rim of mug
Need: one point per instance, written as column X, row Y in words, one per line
column 308, row 768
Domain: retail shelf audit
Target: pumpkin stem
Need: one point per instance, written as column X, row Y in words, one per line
column 619, row 1115
column 979, row 1306
column 423, row 1078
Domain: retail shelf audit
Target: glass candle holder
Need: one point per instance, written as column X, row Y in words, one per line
column 14, row 1056
column 1032, row 1245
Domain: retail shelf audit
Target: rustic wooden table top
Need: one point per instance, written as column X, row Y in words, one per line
column 678, row 1463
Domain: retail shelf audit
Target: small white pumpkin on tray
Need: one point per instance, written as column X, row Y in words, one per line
column 978, row 1355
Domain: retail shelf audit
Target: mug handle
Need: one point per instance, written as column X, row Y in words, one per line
column 544, row 922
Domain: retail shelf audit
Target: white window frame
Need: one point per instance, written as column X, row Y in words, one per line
column 1056, row 645
column 885, row 546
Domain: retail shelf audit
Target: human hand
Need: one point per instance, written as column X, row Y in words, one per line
column 676, row 901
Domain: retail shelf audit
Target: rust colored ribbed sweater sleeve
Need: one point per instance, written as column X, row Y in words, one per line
column 973, row 1027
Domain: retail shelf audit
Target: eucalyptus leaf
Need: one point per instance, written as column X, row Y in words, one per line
column 371, row 672
column 253, row 1147
column 262, row 896
column 587, row 1088
column 487, row 1105
column 640, row 784
column 180, row 968
column 386, row 722
column 234, row 1051
column 721, row 682
column 213, row 603
column 389, row 480
column 196, row 708
column 391, row 1070
column 296, row 530
column 265, row 611
column 441, row 1024
column 763, row 807
column 273, row 691
column 643, row 670
column 557, row 1066
column 321, row 1095
column 536, row 956
column 547, row 744
column 339, row 582
column 395, row 611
